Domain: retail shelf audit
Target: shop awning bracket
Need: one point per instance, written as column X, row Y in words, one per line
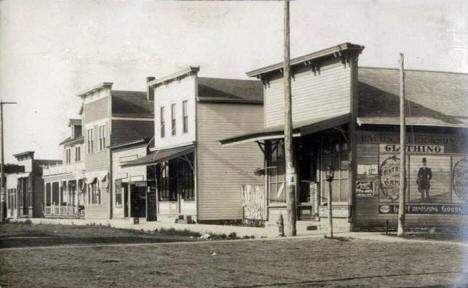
column 342, row 133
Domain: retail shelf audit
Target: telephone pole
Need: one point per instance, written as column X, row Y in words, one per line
column 402, row 197
column 2, row 177
column 288, row 145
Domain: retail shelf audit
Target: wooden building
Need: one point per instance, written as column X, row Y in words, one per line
column 347, row 117
column 197, row 179
column 64, row 183
column 25, row 186
column 134, row 194
column 109, row 117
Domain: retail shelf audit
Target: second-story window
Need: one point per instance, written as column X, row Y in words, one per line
column 68, row 156
column 77, row 153
column 162, row 124
column 102, row 137
column 173, row 119
column 185, row 116
column 90, row 141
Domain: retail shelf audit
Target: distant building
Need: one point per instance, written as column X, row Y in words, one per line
column 197, row 179
column 109, row 117
column 25, row 186
column 347, row 117
column 132, row 186
column 64, row 184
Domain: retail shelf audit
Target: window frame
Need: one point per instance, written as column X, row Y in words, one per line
column 77, row 153
column 68, row 155
column 90, row 140
column 185, row 116
column 173, row 119
column 162, row 124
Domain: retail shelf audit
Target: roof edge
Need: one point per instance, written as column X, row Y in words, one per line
column 176, row 75
column 334, row 50
column 100, row 86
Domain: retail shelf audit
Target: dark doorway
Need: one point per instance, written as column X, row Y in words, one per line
column 138, row 201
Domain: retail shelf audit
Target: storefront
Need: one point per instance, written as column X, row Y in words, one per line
column 436, row 173
column 170, row 185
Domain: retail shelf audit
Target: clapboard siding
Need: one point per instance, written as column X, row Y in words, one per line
column 222, row 170
column 324, row 94
column 174, row 92
column 96, row 110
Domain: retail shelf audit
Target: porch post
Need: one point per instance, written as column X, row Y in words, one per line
column 45, row 200
column 129, row 200
column 266, row 156
column 60, row 196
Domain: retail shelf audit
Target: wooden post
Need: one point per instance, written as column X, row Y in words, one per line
column 3, row 195
column 402, row 199
column 290, row 172
column 330, row 210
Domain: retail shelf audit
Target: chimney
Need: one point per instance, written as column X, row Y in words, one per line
column 149, row 89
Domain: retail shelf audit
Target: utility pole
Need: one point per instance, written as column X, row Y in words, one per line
column 288, row 149
column 3, row 210
column 402, row 197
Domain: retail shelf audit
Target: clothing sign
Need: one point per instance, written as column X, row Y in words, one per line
column 423, row 149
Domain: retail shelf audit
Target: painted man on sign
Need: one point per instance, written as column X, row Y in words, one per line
column 424, row 180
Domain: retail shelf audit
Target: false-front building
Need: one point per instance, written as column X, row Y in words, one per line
column 25, row 186
column 196, row 179
column 64, row 183
column 347, row 117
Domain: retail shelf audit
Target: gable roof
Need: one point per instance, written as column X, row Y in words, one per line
column 432, row 98
column 131, row 104
column 218, row 90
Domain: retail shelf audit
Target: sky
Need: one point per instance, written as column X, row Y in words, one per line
column 50, row 50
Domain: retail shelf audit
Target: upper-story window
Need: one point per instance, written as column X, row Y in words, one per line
column 102, row 137
column 173, row 119
column 161, row 119
column 77, row 153
column 185, row 116
column 90, row 140
column 68, row 156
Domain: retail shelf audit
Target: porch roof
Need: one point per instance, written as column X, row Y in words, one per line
column 299, row 129
column 160, row 156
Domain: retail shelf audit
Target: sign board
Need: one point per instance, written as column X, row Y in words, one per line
column 449, row 209
column 423, row 149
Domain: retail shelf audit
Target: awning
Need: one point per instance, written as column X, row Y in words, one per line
column 91, row 177
column 160, row 156
column 23, row 175
column 299, row 129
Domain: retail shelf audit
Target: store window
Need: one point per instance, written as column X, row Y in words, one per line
column 118, row 193
column 276, row 173
column 94, row 193
column 335, row 152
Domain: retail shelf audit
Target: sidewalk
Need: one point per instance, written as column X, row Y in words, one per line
column 267, row 233
column 241, row 231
